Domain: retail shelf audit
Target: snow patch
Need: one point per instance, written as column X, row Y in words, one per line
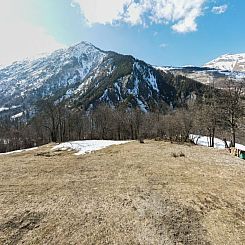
column 142, row 106
column 167, row 68
column 148, row 76
column 105, row 97
column 18, row 151
column 17, row 115
column 87, row 146
column 153, row 82
column 117, row 87
column 218, row 143
column 4, row 109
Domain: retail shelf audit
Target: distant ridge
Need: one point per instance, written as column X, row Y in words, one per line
column 228, row 62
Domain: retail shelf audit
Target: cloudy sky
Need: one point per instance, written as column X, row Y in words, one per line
column 161, row 32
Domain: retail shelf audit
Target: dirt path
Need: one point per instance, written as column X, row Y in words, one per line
column 127, row 194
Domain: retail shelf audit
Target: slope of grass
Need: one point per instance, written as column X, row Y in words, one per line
column 127, row 194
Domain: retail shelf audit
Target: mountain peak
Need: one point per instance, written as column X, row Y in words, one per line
column 230, row 62
column 83, row 44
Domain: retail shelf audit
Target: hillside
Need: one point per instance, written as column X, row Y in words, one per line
column 128, row 194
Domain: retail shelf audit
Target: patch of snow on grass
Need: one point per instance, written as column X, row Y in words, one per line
column 218, row 143
column 19, row 151
column 240, row 147
column 87, row 146
column 205, row 141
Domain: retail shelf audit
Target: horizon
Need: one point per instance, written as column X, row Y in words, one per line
column 168, row 33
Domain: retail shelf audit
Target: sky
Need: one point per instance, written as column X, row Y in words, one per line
column 160, row 32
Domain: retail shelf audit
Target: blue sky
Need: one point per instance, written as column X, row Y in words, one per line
column 161, row 32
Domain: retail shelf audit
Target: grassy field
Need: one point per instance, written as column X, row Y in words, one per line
column 128, row 194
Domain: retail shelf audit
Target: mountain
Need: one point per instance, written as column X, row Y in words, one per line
column 215, row 72
column 228, row 62
column 27, row 81
column 85, row 76
column 206, row 75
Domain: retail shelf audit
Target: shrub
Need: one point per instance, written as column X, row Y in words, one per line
column 174, row 155
column 181, row 154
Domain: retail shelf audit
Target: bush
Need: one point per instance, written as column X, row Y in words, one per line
column 181, row 154
column 141, row 140
column 174, row 155
column 158, row 139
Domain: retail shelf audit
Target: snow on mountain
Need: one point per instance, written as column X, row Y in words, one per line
column 124, row 78
column 85, row 76
column 22, row 82
column 205, row 75
column 17, row 115
column 229, row 62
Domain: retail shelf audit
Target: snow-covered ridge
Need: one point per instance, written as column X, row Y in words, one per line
column 229, row 62
column 87, row 146
column 204, row 74
column 166, row 68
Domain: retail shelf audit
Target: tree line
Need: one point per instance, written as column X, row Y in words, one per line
column 217, row 114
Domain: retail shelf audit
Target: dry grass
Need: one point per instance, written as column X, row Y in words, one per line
column 128, row 194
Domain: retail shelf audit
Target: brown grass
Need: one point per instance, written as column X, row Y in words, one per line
column 128, row 194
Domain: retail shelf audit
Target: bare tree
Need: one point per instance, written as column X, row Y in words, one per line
column 233, row 106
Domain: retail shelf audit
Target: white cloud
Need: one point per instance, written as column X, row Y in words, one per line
column 163, row 45
column 19, row 38
column 220, row 9
column 180, row 14
column 188, row 24
column 102, row 11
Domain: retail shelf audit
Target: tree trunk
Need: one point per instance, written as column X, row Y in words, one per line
column 233, row 136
